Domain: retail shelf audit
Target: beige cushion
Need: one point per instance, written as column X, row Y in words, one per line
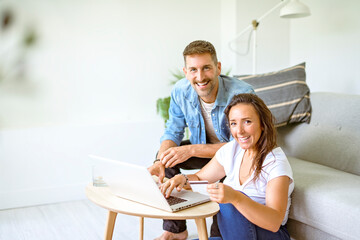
column 285, row 92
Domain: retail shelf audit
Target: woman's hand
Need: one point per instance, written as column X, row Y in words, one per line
column 221, row 193
column 177, row 182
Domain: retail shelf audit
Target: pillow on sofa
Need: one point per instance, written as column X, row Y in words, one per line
column 285, row 92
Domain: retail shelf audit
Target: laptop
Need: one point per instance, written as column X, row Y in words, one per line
column 135, row 183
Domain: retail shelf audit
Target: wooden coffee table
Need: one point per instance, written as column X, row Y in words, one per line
column 104, row 198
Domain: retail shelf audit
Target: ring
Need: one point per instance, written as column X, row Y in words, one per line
column 217, row 185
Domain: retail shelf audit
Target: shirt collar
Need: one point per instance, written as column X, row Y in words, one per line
column 221, row 99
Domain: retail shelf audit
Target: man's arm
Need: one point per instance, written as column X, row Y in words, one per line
column 175, row 125
column 165, row 145
column 158, row 168
column 205, row 150
column 171, row 155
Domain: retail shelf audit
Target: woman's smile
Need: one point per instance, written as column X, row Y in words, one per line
column 245, row 125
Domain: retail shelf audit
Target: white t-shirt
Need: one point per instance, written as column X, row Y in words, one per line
column 275, row 165
column 209, row 127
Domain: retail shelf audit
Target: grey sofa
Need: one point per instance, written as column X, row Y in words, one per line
column 325, row 158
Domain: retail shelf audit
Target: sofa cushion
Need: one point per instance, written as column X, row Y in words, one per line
column 326, row 199
column 285, row 92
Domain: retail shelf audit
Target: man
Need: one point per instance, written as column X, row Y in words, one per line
column 197, row 102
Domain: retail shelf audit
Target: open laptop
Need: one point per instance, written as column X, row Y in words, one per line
column 135, row 183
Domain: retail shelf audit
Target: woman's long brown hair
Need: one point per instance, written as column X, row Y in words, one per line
column 267, row 140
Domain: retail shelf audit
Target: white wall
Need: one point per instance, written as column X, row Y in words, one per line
column 93, row 56
column 92, row 83
column 328, row 41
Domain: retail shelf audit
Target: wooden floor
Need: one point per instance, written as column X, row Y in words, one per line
column 78, row 220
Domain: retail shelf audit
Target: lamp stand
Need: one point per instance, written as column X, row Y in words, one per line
column 255, row 24
column 293, row 9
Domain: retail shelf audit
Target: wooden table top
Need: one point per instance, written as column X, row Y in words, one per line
column 104, row 198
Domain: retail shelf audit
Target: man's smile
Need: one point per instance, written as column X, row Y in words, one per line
column 202, row 84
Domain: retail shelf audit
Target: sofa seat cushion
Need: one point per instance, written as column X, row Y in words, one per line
column 326, row 199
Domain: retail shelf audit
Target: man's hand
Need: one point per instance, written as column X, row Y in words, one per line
column 158, row 169
column 175, row 155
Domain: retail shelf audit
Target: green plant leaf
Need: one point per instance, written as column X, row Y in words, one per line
column 227, row 72
column 177, row 75
column 29, row 37
column 162, row 108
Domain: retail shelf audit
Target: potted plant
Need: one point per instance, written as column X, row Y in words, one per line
column 14, row 68
column 163, row 104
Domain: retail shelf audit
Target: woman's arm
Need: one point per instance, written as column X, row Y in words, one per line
column 212, row 172
column 269, row 216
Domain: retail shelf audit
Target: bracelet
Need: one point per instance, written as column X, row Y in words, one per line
column 186, row 178
column 156, row 160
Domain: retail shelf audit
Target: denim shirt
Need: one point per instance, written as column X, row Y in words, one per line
column 185, row 111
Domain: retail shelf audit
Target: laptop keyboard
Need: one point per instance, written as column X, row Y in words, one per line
column 174, row 200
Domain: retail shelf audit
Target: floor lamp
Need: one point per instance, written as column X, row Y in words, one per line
column 290, row 9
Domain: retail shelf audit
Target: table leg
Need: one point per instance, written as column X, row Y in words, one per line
column 141, row 228
column 110, row 225
column 201, row 227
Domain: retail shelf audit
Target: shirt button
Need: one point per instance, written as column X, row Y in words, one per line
column 216, row 130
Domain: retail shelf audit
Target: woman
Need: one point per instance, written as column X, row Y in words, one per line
column 254, row 198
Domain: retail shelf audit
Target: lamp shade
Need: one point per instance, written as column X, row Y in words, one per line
column 294, row 9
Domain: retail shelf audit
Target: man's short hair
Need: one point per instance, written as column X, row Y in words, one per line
column 200, row 47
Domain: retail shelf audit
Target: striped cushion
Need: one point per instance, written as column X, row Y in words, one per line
column 285, row 92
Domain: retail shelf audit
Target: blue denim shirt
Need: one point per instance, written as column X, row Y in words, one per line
column 185, row 111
